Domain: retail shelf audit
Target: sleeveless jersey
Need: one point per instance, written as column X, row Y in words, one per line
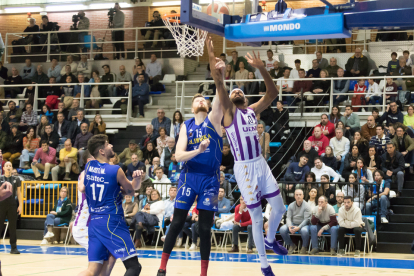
column 82, row 216
column 102, row 190
column 209, row 161
column 242, row 135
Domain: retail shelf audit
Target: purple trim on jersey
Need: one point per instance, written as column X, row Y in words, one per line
column 263, row 197
column 234, row 118
column 254, row 205
column 231, row 145
column 89, row 220
column 257, row 145
column 249, row 147
column 80, row 209
column 236, row 128
column 271, row 194
column 243, row 121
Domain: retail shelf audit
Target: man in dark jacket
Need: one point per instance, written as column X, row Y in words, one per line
column 133, row 166
column 280, row 119
column 14, row 115
column 4, row 124
column 357, row 65
column 39, row 76
column 310, row 152
column 405, row 145
column 61, row 128
column 393, row 165
column 3, row 139
column 392, row 116
column 51, row 137
column 68, row 73
column 140, row 94
column 74, row 128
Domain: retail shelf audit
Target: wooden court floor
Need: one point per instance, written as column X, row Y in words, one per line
column 69, row 265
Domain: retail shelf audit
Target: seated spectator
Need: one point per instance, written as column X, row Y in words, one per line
column 227, row 162
column 146, row 197
column 319, row 141
column 406, row 55
column 242, row 222
column 327, row 128
column 358, row 97
column 335, row 115
column 3, row 71
column 140, row 94
column 403, row 70
column 161, row 121
column 298, row 218
column 369, row 129
column 40, row 129
column 361, row 143
column 269, row 61
column 323, row 219
column 393, row 64
column 138, row 62
column 81, row 142
column 150, row 152
column 315, row 71
column 52, row 94
column 391, row 131
column 126, row 154
column 74, row 128
column 154, row 70
column 151, row 167
column 393, row 165
column 252, row 88
column 123, row 76
column 73, row 66
column 169, row 205
column 140, row 71
column 98, row 126
column 130, row 209
column 309, row 151
column 150, row 216
column 224, row 204
column 30, row 146
column 157, row 34
column 380, row 141
column 327, row 190
column 373, row 93
column 151, row 136
column 294, row 73
column 350, row 222
column 78, row 87
column 68, row 157
column 176, row 124
column 68, row 92
column 165, row 159
column 54, row 70
column 390, row 89
column 373, row 160
column 286, row 85
column 340, row 86
column 39, row 76
column 235, row 61
column 392, row 115
column 162, row 139
column 97, row 92
column 350, row 162
column 322, row 62
column 29, row 93
column 333, row 68
column 264, row 140
column 230, row 74
column 174, row 170
column 3, row 139
column 357, row 65
column 45, row 111
column 405, row 145
column 355, row 190
column 351, row 120
column 122, row 91
column 312, row 197
column 383, row 194
column 61, row 127
column 276, row 72
column 28, row 71
column 296, row 171
column 28, row 119
column 364, row 175
column 67, row 72
column 83, row 66
column 225, row 184
column 4, row 124
column 50, row 136
column 108, row 76
column 241, row 74
column 60, row 214
column 159, row 180
column 321, row 87
column 329, row 159
column 14, row 79
column 14, row 145
column 133, row 166
column 340, row 146
column 409, row 117
column 14, row 115
column 339, row 201
column 299, row 87
column 279, row 120
column 321, row 169
column 47, row 158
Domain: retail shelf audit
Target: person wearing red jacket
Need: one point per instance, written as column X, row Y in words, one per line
column 319, row 141
column 242, row 222
column 328, row 128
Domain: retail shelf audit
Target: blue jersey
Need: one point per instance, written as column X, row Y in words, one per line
column 209, row 161
column 102, row 189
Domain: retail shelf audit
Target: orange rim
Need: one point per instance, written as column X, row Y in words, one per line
column 170, row 17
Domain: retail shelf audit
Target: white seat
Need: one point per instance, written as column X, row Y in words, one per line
column 363, row 35
column 168, row 78
column 111, row 131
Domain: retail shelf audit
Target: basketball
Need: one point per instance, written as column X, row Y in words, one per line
column 219, row 7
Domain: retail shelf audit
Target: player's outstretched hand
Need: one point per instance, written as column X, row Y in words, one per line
column 6, row 190
column 204, row 145
column 137, row 174
column 254, row 61
column 210, row 47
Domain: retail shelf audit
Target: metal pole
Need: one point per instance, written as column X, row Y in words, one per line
column 316, row 45
column 279, row 83
column 136, row 43
column 365, row 39
column 331, row 95
column 129, row 106
column 384, row 99
column 182, row 99
column 5, row 50
column 36, row 95
column 82, row 100
column 48, row 47
column 176, row 95
column 224, row 45
column 91, row 45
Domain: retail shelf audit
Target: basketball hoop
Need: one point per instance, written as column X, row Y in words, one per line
column 190, row 40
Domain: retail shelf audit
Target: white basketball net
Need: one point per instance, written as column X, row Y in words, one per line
column 190, row 40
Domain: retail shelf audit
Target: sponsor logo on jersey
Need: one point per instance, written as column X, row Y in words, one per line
column 199, row 139
column 120, row 250
column 248, row 129
column 259, row 195
column 131, row 250
column 206, row 201
column 95, row 178
column 97, row 170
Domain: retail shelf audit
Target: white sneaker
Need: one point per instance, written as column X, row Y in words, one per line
column 286, row 131
column 193, row 247
column 342, row 179
column 384, row 220
column 44, row 242
column 407, row 165
column 163, row 238
column 49, row 235
column 283, row 138
column 179, row 242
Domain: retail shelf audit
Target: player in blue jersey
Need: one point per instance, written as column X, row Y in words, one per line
column 108, row 232
column 199, row 146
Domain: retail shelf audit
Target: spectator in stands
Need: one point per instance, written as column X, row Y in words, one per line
column 122, row 91
column 98, row 126
column 403, row 70
column 146, row 195
column 14, row 115
column 286, row 85
column 339, row 201
column 392, row 116
column 405, row 145
column 68, row 157
column 361, row 143
column 270, row 60
column 406, row 55
column 296, row 171
column 276, row 72
column 159, row 179
column 54, row 70
column 350, row 162
column 81, row 142
column 128, row 152
column 241, row 74
column 52, row 94
column 328, row 128
column 409, row 117
column 315, row 71
column 161, row 121
column 227, row 162
column 29, row 118
column 14, row 145
column 40, row 129
column 68, row 73
column 61, row 127
column 60, row 214
column 150, row 153
column 280, row 119
column 14, row 79
column 155, row 163
column 340, row 86
column 373, row 93
column 312, row 196
column 108, row 76
column 140, row 94
column 158, row 33
column 298, row 218
column 373, row 160
column 242, row 222
column 140, row 71
column 130, row 209
column 298, row 88
column 393, row 64
column 175, row 168
column 369, row 129
column 294, row 73
column 73, row 66
column 97, row 92
column 323, row 62
column 3, row 71
column 28, row 71
column 335, row 115
column 72, row 114
column 68, row 92
column 264, row 140
column 39, row 76
column 350, row 222
column 351, row 120
column 3, row 139
column 123, row 76
column 235, row 61
column 380, row 140
column 223, row 57
column 150, row 136
column 119, row 21
column 329, row 159
column 333, row 68
column 30, row 146
column 364, row 175
column 252, row 88
column 138, row 63
column 50, row 136
column 319, row 141
column 176, row 124
column 154, row 70
column 133, row 166
column 4, row 124
column 45, row 111
column 310, row 152
column 83, row 66
column 383, row 194
column 162, row 139
column 74, row 128
column 357, row 65
column 321, row 169
column 78, row 87
column 327, row 190
column 165, row 159
column 393, row 165
column 47, row 158
column 390, row 89
column 169, row 205
column 323, row 219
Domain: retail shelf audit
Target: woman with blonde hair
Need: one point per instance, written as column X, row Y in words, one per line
column 98, row 126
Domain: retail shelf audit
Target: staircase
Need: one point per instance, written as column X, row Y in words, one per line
column 120, row 140
column 398, row 235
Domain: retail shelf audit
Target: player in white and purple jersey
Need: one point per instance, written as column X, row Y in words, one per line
column 253, row 175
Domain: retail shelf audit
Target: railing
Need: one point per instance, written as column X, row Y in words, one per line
column 92, row 45
column 39, row 196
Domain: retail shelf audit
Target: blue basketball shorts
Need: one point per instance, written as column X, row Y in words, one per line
column 109, row 234
column 206, row 187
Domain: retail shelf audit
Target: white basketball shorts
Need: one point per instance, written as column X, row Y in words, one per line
column 80, row 234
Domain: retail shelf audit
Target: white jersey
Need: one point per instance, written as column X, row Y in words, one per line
column 82, row 216
column 242, row 135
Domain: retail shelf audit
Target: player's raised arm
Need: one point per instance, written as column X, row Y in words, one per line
column 216, row 114
column 81, row 185
column 129, row 187
column 181, row 153
column 271, row 91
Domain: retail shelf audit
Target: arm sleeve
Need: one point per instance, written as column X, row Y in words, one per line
column 227, row 204
column 162, row 158
column 334, row 175
column 306, row 217
column 65, row 211
column 237, row 216
column 332, row 222
column 314, row 220
column 347, row 145
column 356, row 122
column 289, row 217
column 73, row 153
column 37, row 155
